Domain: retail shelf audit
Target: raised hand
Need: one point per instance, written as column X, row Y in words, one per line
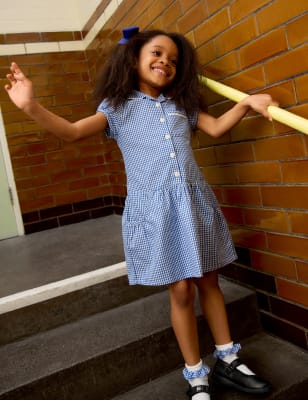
column 260, row 103
column 20, row 87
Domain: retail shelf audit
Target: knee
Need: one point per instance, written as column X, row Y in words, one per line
column 208, row 283
column 182, row 293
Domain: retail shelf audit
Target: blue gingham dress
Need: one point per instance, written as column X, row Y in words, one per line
column 172, row 225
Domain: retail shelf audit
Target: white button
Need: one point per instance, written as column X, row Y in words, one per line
column 162, row 119
column 177, row 174
column 172, row 155
column 157, row 104
column 167, row 136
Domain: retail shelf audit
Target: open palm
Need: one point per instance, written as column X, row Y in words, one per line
column 20, row 88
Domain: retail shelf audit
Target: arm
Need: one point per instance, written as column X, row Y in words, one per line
column 217, row 127
column 21, row 93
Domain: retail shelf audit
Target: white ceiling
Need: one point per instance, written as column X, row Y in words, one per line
column 45, row 15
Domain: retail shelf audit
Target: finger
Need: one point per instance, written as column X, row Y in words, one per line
column 16, row 71
column 11, row 78
column 267, row 115
column 7, row 87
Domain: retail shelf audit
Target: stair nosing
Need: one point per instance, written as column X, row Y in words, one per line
column 55, row 289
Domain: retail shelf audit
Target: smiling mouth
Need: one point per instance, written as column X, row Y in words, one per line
column 161, row 71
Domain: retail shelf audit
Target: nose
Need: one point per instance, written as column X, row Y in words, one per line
column 164, row 60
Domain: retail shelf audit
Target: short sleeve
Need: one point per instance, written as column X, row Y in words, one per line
column 108, row 110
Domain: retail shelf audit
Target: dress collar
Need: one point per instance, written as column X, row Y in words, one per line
column 139, row 95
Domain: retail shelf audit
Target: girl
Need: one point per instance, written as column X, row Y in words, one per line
column 174, row 232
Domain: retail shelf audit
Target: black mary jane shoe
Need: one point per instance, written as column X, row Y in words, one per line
column 197, row 389
column 228, row 375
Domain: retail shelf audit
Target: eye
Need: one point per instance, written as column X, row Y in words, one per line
column 174, row 62
column 156, row 53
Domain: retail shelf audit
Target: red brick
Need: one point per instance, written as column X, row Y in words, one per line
column 278, row 12
column 234, row 215
column 30, row 160
column 285, row 196
column 292, row 291
column 33, row 182
column 266, row 172
column 302, row 271
column 294, row 246
column 187, row 4
column 302, row 87
column 248, row 238
column 283, row 92
column 242, row 195
column 96, row 170
column 237, row 152
column 71, row 197
column 84, row 183
column 172, row 14
column 273, row 264
column 50, row 168
column 18, row 151
column 214, row 5
column 247, row 80
column 295, row 171
column 299, row 222
column 236, row 36
column 192, row 18
column 272, row 220
column 212, row 26
column 37, row 204
column 291, row 63
column 263, row 47
column 100, row 191
column 65, row 176
column 220, row 175
column 205, row 157
column 252, row 128
column 241, row 8
column 222, row 67
column 280, row 148
column 297, row 30
column 64, row 154
column 52, row 189
column 206, row 53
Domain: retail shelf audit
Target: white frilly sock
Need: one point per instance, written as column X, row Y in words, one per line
column 230, row 356
column 201, row 372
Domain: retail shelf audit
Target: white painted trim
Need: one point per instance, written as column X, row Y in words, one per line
column 59, row 288
column 11, row 180
column 47, row 47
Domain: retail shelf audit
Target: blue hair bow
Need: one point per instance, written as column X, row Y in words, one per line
column 128, row 33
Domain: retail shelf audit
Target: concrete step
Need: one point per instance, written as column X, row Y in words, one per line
column 111, row 351
column 283, row 364
column 49, row 306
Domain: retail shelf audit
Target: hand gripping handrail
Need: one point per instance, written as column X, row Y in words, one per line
column 278, row 114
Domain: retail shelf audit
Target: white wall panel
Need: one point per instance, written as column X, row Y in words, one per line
column 45, row 15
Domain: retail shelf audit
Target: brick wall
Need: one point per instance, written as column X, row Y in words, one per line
column 60, row 183
column 258, row 170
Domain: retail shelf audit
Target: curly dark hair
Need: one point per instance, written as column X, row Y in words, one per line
column 118, row 77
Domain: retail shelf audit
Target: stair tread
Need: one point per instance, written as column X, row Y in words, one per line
column 49, row 256
column 48, row 352
column 280, row 362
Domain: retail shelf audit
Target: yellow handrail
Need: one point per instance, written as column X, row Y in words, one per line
column 278, row 114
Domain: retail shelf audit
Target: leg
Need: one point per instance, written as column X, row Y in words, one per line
column 229, row 369
column 213, row 307
column 183, row 319
column 184, row 322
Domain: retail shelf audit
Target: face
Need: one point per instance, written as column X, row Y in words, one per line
column 157, row 65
